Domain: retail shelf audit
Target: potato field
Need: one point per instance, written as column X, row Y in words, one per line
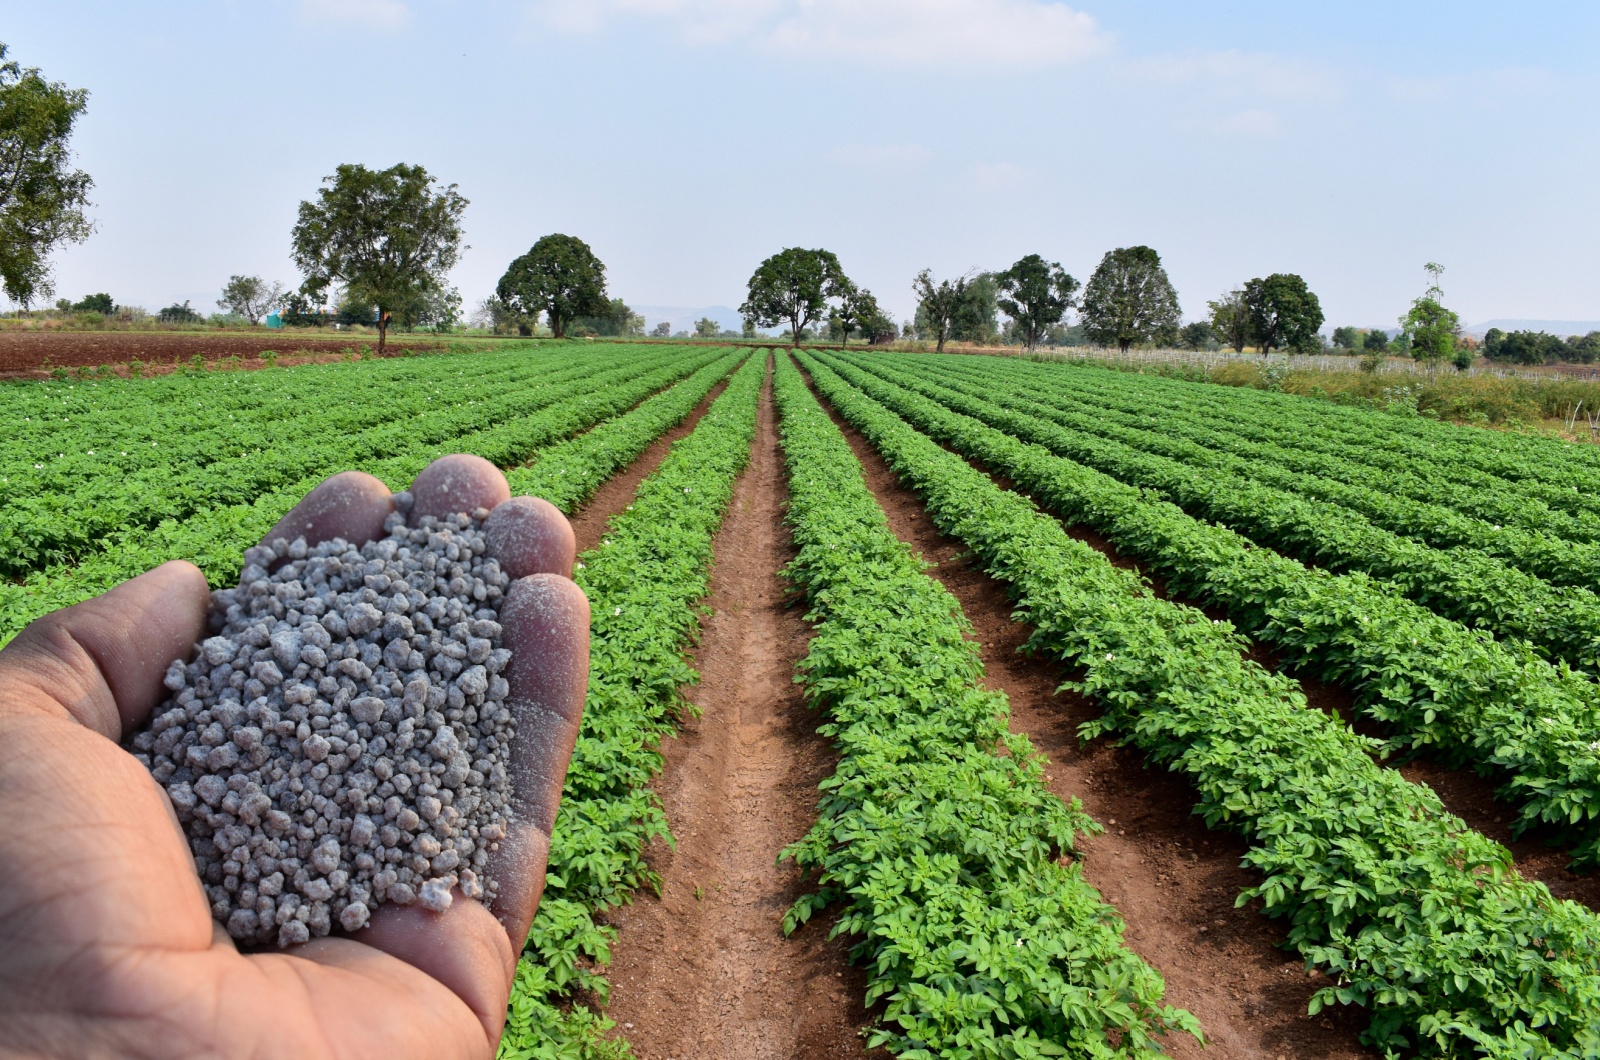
column 961, row 706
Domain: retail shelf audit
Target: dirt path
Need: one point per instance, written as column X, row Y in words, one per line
column 705, row 971
column 1173, row 881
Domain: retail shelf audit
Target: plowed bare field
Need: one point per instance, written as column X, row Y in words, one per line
column 27, row 351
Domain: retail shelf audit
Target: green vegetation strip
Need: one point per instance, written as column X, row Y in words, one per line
column 567, row 475
column 1561, row 474
column 644, row 583
column 342, row 428
column 1285, row 442
column 1412, row 914
column 216, row 539
column 1470, row 587
column 1441, row 685
column 936, row 831
column 1367, row 516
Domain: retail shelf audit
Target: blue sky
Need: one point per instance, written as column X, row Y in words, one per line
column 687, row 139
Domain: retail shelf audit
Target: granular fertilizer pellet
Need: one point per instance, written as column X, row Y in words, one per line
column 341, row 741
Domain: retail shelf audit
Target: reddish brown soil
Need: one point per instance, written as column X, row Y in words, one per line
column 704, row 971
column 1464, row 793
column 1173, row 881
column 27, row 352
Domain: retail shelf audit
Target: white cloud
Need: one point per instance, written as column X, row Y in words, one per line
column 387, row 14
column 942, row 33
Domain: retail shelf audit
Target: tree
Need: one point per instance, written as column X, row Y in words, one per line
column 101, row 303
column 978, row 319
column 1197, row 336
column 1347, row 338
column 879, row 327
column 1523, row 347
column 1129, row 300
column 662, row 330
column 1036, row 295
column 179, row 314
column 794, row 286
column 1283, row 313
column 251, row 297
column 42, row 198
column 1429, row 327
column 437, row 309
column 706, row 328
column 616, row 320
column 559, row 276
column 857, row 308
column 1376, row 341
column 387, row 235
column 1230, row 319
column 940, row 305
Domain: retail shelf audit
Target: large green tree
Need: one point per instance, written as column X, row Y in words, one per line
column 251, row 297
column 1036, row 295
column 1129, row 300
column 858, row 308
column 979, row 318
column 1284, row 314
column 794, row 286
column 1230, row 320
column 940, row 304
column 1431, row 328
column 42, row 197
column 559, row 276
column 389, row 236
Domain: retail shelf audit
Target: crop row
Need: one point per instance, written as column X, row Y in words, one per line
column 216, row 538
column 1323, row 476
column 59, row 423
column 1412, row 914
column 936, row 833
column 1562, row 475
column 1457, row 506
column 1432, row 681
column 644, row 583
column 1468, row 586
column 47, row 527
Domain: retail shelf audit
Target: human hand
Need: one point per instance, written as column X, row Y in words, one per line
column 107, row 945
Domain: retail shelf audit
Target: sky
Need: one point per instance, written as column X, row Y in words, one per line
column 686, row 140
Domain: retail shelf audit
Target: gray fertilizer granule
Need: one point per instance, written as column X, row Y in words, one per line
column 341, row 741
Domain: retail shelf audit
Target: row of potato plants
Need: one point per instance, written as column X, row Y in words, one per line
column 1412, row 914
column 1446, row 494
column 127, row 414
column 1478, row 590
column 644, row 582
column 215, row 539
column 937, row 842
column 1561, row 474
column 1323, row 476
column 1434, row 683
column 105, row 431
column 344, row 429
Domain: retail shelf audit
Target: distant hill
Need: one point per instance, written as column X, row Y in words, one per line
column 1562, row 328
column 682, row 318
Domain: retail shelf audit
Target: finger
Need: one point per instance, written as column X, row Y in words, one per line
column 546, row 625
column 529, row 535
column 460, row 482
column 351, row 505
column 102, row 661
column 464, row 948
